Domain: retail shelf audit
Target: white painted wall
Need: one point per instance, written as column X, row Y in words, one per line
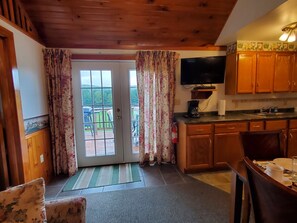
column 31, row 73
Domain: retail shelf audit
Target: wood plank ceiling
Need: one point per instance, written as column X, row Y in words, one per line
column 128, row 24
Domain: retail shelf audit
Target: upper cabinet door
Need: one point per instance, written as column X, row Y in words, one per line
column 294, row 76
column 283, row 72
column 265, row 72
column 231, row 74
column 246, row 69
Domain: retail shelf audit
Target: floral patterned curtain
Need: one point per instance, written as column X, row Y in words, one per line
column 57, row 64
column 156, row 89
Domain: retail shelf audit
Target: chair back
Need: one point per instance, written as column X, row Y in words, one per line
column 272, row 202
column 262, row 145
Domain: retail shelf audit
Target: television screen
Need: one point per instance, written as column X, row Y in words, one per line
column 203, row 70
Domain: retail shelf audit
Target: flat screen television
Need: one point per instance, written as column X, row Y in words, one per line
column 203, row 70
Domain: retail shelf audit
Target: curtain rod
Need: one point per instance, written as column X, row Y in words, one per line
column 103, row 56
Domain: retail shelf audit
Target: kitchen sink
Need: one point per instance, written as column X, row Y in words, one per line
column 269, row 113
column 266, row 114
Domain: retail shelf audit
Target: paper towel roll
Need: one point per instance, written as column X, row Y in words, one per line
column 222, row 107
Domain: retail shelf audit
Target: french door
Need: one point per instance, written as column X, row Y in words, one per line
column 106, row 112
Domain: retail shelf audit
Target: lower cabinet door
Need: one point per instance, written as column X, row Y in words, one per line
column 227, row 148
column 292, row 143
column 199, row 152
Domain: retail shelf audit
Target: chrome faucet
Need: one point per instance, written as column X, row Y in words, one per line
column 271, row 109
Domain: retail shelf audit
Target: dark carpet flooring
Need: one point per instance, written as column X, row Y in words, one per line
column 194, row 202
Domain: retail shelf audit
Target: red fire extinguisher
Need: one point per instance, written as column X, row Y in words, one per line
column 174, row 133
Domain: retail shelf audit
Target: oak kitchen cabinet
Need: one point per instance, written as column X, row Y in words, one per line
column 294, row 76
column 271, row 125
column 256, row 126
column 283, row 72
column 260, row 72
column 240, row 73
column 210, row 146
column 292, row 138
column 246, row 68
column 265, row 72
column 195, row 147
column 227, row 143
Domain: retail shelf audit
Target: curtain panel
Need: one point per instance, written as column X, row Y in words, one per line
column 57, row 64
column 156, row 89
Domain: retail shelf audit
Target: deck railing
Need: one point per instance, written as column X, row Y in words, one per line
column 103, row 118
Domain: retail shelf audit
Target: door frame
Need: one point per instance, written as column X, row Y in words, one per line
column 120, row 156
column 125, row 92
column 13, row 123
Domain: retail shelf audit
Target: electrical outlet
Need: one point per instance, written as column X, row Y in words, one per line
column 41, row 158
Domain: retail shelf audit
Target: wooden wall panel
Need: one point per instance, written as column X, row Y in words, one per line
column 40, row 159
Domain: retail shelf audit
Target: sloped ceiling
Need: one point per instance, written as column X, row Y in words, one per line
column 128, row 24
column 254, row 20
column 163, row 24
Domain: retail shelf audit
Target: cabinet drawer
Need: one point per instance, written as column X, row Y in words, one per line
column 276, row 124
column 198, row 129
column 293, row 124
column 231, row 127
column 256, row 126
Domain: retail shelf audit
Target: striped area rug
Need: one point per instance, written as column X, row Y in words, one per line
column 103, row 176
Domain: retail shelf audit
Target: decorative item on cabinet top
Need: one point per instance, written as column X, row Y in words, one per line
column 36, row 123
column 260, row 46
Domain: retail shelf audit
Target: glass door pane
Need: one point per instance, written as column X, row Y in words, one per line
column 134, row 103
column 96, row 92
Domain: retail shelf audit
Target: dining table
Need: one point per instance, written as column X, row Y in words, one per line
column 240, row 199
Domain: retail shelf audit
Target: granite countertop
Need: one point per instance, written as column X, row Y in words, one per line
column 236, row 116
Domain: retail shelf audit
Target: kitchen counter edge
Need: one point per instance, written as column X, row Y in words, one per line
column 233, row 117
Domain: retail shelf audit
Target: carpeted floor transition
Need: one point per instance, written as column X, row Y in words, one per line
column 218, row 179
column 189, row 202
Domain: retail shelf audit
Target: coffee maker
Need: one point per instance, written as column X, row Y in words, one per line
column 193, row 109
